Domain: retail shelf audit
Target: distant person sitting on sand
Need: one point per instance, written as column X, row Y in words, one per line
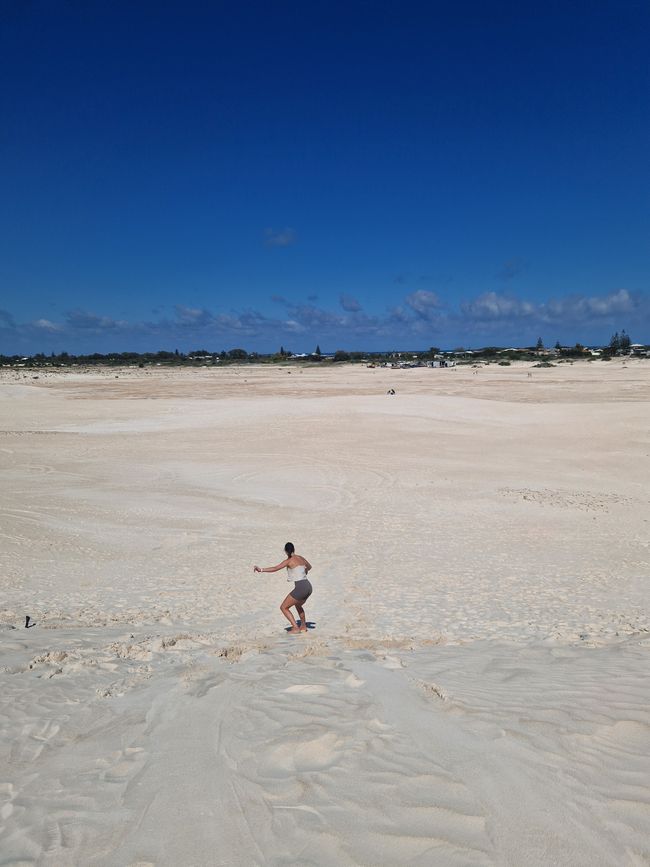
column 297, row 568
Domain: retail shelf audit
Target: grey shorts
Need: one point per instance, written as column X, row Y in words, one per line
column 302, row 590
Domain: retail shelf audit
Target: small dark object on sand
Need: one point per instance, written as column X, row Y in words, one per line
column 391, row 391
column 27, row 621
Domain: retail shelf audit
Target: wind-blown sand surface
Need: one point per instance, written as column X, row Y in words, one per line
column 475, row 690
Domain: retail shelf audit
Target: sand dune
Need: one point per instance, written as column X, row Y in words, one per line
column 475, row 688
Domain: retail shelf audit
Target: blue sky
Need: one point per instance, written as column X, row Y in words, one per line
column 357, row 175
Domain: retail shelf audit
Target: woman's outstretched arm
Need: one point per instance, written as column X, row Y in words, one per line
column 272, row 568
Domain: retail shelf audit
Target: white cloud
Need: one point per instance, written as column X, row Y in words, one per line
column 349, row 304
column 419, row 319
column 46, row 325
column 191, row 315
column 579, row 306
column 423, row 303
column 280, row 237
column 491, row 305
column 617, row 302
column 84, row 319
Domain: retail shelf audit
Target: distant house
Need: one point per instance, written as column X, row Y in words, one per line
column 441, row 362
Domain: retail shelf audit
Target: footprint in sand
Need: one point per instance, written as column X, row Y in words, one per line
column 392, row 662
column 306, row 689
column 122, row 765
column 314, row 755
column 7, row 794
column 28, row 751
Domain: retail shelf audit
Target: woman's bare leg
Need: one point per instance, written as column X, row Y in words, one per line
column 301, row 615
column 284, row 608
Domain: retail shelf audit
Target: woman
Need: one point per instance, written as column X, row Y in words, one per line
column 297, row 569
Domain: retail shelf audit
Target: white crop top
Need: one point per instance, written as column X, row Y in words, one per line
column 296, row 573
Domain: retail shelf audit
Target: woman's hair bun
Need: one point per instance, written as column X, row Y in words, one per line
column 289, row 549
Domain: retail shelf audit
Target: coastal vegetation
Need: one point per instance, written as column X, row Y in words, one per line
column 619, row 345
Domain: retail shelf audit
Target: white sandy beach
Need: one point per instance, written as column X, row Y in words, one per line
column 475, row 688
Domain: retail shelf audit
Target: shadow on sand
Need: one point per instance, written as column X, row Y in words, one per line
column 308, row 623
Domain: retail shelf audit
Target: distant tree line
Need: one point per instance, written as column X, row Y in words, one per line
column 619, row 344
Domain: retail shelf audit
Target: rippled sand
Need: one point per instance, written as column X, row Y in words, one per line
column 474, row 689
